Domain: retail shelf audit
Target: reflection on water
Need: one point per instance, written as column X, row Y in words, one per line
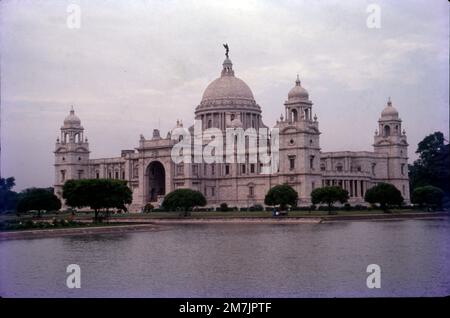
column 236, row 260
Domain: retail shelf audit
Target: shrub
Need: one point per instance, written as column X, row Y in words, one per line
column 329, row 195
column 281, row 195
column 385, row 194
column 184, row 199
column 148, row 208
column 223, row 207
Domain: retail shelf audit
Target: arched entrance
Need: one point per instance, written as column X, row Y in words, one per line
column 156, row 175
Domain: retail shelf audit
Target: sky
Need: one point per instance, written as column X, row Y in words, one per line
column 136, row 65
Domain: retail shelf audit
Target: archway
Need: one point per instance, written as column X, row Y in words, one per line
column 294, row 115
column 156, row 175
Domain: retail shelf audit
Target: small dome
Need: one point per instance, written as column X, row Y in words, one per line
column 389, row 110
column 298, row 92
column 72, row 119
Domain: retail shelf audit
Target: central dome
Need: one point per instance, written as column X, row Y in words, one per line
column 227, row 93
column 227, row 87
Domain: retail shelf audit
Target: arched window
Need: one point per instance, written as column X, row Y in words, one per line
column 339, row 167
column 306, row 114
column 322, row 167
column 294, row 115
column 387, row 131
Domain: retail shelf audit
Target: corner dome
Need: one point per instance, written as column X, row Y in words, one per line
column 389, row 111
column 298, row 92
column 72, row 120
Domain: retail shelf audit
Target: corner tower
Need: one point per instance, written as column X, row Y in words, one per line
column 299, row 144
column 390, row 139
column 71, row 153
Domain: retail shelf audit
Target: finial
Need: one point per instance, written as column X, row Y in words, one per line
column 281, row 117
column 72, row 111
column 389, row 101
column 227, row 49
column 297, row 82
column 315, row 117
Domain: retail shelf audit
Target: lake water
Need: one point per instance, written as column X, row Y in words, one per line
column 236, row 260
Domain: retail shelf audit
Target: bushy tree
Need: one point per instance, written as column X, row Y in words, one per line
column 8, row 198
column 428, row 195
column 281, row 195
column 384, row 194
column 38, row 199
column 433, row 165
column 184, row 199
column 329, row 195
column 97, row 194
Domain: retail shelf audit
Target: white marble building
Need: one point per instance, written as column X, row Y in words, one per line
column 229, row 102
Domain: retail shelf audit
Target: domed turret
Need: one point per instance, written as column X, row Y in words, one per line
column 389, row 111
column 298, row 92
column 72, row 120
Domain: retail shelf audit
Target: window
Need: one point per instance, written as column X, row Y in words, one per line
column 209, row 123
column 97, row 175
column 213, row 191
column 322, row 167
column 251, row 191
column 116, row 175
column 339, row 167
column 313, row 185
column 195, row 170
column 252, row 168
column 227, row 169
column 373, row 168
column 311, row 162
column 63, row 175
column 80, row 174
column 123, row 175
column 243, row 168
column 387, row 131
column 291, row 162
column 213, row 169
column 358, row 168
column 402, row 168
column 294, row 115
column 109, row 175
column 180, row 169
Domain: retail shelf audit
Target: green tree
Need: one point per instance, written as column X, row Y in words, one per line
column 384, row 194
column 428, row 196
column 38, row 199
column 8, row 198
column 184, row 199
column 282, row 195
column 329, row 195
column 97, row 194
column 433, row 165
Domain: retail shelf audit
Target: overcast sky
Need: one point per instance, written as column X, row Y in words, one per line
column 134, row 66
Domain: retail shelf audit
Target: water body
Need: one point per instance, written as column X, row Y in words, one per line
column 236, row 260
